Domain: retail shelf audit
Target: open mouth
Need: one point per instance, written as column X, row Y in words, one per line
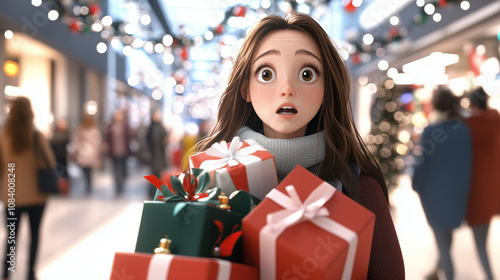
column 286, row 110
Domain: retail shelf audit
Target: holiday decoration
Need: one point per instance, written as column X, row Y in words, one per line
column 394, row 33
column 389, row 115
column 349, row 6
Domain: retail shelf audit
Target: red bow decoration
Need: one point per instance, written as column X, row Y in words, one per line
column 224, row 247
column 193, row 186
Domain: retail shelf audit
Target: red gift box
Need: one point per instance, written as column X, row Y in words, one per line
column 175, row 267
column 239, row 165
column 306, row 229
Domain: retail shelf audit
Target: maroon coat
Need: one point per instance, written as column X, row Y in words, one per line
column 484, row 197
column 386, row 259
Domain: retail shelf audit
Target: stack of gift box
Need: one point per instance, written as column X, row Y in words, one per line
column 228, row 218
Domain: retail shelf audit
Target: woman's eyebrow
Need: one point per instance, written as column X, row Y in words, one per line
column 269, row 52
column 306, row 52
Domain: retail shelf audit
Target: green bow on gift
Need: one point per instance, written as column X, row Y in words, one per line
column 192, row 188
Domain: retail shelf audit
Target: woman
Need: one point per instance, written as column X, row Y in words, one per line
column 289, row 90
column 20, row 158
column 484, row 198
column 87, row 148
column 443, row 185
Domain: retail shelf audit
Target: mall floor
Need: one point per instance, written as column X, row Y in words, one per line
column 81, row 233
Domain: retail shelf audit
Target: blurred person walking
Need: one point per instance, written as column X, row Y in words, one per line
column 20, row 190
column 118, row 135
column 86, row 149
column 443, row 185
column 484, row 199
column 60, row 142
column 156, row 142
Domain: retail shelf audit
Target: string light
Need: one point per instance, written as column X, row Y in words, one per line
column 394, row 20
column 53, row 15
column 209, row 35
column 265, row 4
column 357, row 3
column 437, row 17
column 168, row 58
column 8, row 34
column 145, row 19
column 107, row 21
column 383, row 65
column 102, row 47
column 168, row 40
column 368, row 39
column 429, row 9
column 465, row 5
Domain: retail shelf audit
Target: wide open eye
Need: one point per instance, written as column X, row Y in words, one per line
column 266, row 75
column 308, row 74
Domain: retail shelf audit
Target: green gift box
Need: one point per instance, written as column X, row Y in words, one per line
column 195, row 228
column 192, row 229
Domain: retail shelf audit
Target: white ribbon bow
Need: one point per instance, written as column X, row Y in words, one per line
column 231, row 155
column 295, row 211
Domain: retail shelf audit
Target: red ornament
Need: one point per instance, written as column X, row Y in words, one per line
column 442, row 3
column 475, row 61
column 74, row 26
column 239, row 11
column 219, row 29
column 184, row 53
column 349, row 7
column 394, row 32
column 94, row 9
column 356, row 59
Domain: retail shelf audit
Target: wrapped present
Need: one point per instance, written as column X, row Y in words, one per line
column 239, row 165
column 162, row 267
column 196, row 222
column 305, row 229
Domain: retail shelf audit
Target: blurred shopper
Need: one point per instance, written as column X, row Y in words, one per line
column 20, row 190
column 118, row 135
column 59, row 142
column 443, row 185
column 86, row 151
column 156, row 142
column 484, row 199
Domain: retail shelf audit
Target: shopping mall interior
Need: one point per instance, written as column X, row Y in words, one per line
column 95, row 57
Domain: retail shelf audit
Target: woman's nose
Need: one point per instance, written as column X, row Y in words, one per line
column 287, row 89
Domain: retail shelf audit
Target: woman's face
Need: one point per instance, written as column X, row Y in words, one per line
column 286, row 83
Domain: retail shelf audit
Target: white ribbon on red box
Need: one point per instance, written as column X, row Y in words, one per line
column 159, row 267
column 232, row 155
column 295, row 211
column 259, row 172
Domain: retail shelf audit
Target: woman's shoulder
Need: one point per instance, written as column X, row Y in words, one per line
column 371, row 194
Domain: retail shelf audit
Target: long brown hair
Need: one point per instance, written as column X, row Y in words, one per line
column 19, row 124
column 343, row 142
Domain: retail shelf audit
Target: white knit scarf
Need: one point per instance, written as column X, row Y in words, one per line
column 308, row 151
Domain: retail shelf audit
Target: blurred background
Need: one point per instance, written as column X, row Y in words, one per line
column 74, row 58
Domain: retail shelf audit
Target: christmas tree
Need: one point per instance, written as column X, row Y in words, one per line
column 390, row 139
